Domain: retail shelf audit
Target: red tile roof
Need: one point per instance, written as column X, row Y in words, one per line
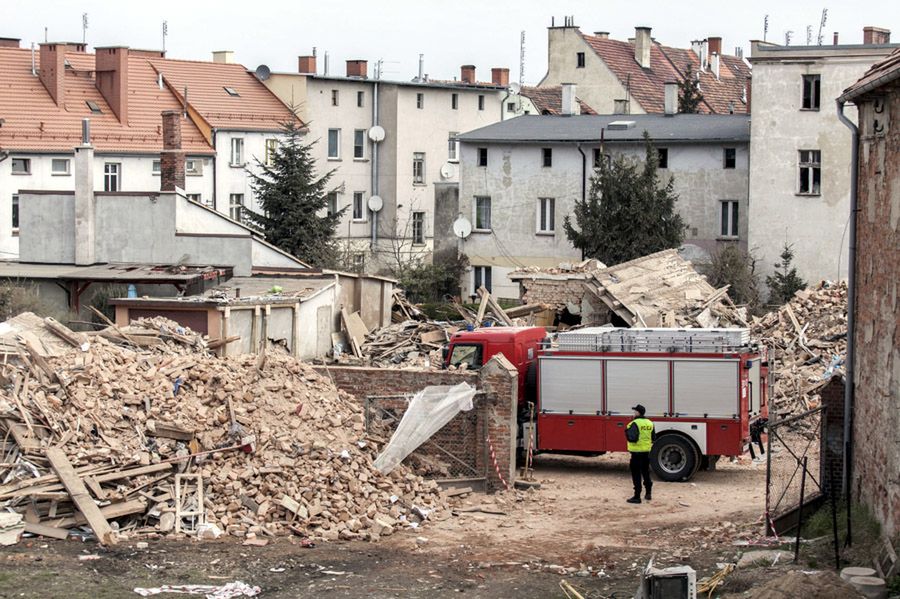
column 548, row 100
column 880, row 73
column 647, row 86
column 33, row 122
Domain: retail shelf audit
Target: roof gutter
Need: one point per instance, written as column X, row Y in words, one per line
column 849, row 387
column 878, row 82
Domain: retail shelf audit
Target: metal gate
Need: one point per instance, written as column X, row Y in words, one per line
column 794, row 469
column 458, row 452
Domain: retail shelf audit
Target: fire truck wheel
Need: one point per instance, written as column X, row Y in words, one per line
column 674, row 458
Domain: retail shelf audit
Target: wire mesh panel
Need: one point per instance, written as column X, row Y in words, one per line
column 458, row 450
column 793, row 442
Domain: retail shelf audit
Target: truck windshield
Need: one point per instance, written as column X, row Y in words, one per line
column 470, row 355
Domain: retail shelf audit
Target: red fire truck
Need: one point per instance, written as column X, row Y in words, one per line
column 704, row 389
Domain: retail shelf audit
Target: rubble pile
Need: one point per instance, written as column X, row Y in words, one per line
column 808, row 336
column 410, row 343
column 278, row 449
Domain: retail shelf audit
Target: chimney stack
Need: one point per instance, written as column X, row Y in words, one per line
column 223, row 56
column 171, row 160
column 357, row 68
column 467, row 73
column 85, row 204
column 306, row 65
column 671, row 97
column 714, row 63
column 749, row 93
column 642, row 43
column 604, row 35
column 876, row 35
column 112, row 79
column 9, row 42
column 715, row 45
column 835, row 38
column 569, row 104
column 53, row 71
column 500, row 76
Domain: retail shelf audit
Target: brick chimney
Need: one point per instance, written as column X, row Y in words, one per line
column 223, row 56
column 714, row 45
column 642, row 43
column 171, row 160
column 749, row 93
column 467, row 73
column 9, row 42
column 306, row 65
column 112, row 79
column 357, row 68
column 53, row 71
column 604, row 35
column 500, row 76
column 876, row 35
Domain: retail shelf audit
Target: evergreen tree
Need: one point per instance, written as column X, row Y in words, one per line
column 628, row 213
column 291, row 198
column 689, row 95
column 785, row 281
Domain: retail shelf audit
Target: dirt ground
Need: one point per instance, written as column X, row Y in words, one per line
column 576, row 526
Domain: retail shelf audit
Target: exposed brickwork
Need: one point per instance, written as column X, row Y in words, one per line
column 832, row 453
column 112, row 79
column 171, row 162
column 876, row 421
column 562, row 292
column 357, row 68
column 494, row 412
column 306, row 64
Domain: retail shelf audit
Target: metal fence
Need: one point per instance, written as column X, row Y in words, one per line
column 458, row 451
column 794, row 469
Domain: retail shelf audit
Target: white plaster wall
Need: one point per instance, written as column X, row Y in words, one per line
column 816, row 226
column 235, row 179
column 309, row 343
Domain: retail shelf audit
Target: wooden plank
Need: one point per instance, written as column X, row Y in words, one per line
column 433, row 337
column 109, row 512
column 482, row 307
column 80, row 496
column 498, row 311
column 20, row 435
column 43, row 530
column 120, row 474
column 355, row 342
column 217, row 343
column 64, row 332
column 170, row 431
column 95, row 487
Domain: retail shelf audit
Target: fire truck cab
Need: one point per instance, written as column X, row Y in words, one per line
column 702, row 388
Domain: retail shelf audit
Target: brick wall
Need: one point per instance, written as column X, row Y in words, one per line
column 832, row 453
column 876, row 418
column 556, row 292
column 494, row 411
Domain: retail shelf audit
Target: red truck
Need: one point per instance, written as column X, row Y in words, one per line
column 705, row 389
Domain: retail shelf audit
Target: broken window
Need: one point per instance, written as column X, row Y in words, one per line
column 111, row 176
column 418, row 228
column 418, row 168
column 729, row 216
column 579, row 60
column 547, row 157
column 812, row 86
column 729, row 158
column 482, row 276
column 810, row 172
column 334, row 143
column 662, row 156
column 546, row 215
column 236, row 206
column 482, row 156
column 359, row 213
column 482, row 213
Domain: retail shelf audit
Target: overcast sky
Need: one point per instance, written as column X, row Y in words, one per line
column 449, row 33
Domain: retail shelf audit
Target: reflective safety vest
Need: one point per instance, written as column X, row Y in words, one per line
column 645, row 438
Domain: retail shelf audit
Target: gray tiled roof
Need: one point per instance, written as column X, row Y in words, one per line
column 587, row 128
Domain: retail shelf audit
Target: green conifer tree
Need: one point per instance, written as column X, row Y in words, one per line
column 785, row 281
column 689, row 95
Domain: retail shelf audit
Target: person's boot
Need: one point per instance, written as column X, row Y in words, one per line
column 647, row 496
column 635, row 499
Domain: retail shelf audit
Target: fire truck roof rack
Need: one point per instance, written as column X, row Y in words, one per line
column 609, row 339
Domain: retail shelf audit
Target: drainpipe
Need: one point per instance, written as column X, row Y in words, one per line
column 849, row 395
column 503, row 105
column 215, row 204
column 375, row 161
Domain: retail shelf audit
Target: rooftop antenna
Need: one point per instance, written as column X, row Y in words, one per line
column 84, row 27
column 522, row 59
column 787, row 37
column 165, row 33
column 46, row 40
column 765, row 27
column 822, row 24
column 809, row 35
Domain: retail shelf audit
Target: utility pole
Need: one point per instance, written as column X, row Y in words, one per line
column 765, row 27
column 84, row 27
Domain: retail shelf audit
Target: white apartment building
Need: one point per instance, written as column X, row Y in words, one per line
column 391, row 139
column 520, row 179
column 800, row 152
column 230, row 121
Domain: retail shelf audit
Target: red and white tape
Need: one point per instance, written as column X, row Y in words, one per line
column 496, row 465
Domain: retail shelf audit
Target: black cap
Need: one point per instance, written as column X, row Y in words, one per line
column 640, row 409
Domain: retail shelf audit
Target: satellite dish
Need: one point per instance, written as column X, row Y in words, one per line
column 263, row 72
column 375, row 203
column 447, row 170
column 514, row 88
column 376, row 133
column 462, row 228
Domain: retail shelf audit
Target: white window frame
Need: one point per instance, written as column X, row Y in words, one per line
column 235, row 203
column 815, row 91
column 480, row 274
column 25, row 161
column 359, row 135
column 237, row 152
column 359, row 207
column 477, row 208
column 271, row 148
column 331, row 203
column 156, row 168
column 109, row 176
column 418, row 168
column 63, row 173
column 453, row 147
column 193, row 167
column 809, row 162
column 729, row 219
column 418, row 227
column 336, row 154
column 546, row 216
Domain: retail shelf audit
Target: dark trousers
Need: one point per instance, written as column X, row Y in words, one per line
column 640, row 468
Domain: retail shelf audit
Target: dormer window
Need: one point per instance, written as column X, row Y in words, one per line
column 95, row 109
column 231, row 91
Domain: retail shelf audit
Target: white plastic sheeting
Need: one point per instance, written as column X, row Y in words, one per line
column 429, row 410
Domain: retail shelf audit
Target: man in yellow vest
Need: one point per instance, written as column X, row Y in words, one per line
column 640, row 436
